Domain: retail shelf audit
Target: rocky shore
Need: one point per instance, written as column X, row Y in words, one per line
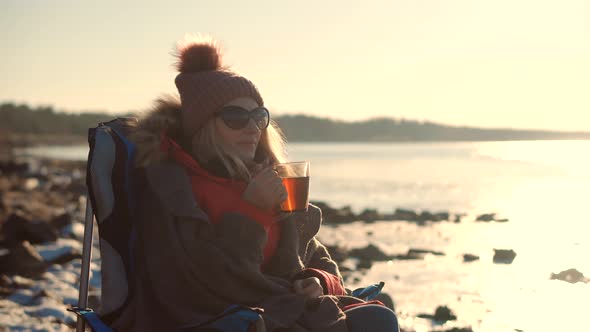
column 42, row 206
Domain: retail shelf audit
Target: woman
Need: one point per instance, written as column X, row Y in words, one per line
column 209, row 231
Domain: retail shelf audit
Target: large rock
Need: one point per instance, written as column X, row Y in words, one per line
column 336, row 216
column 19, row 227
column 504, row 256
column 364, row 264
column 12, row 167
column 403, row 214
column 23, row 259
column 441, row 216
column 428, row 216
column 62, row 220
column 338, row 254
column 370, row 215
column 370, row 252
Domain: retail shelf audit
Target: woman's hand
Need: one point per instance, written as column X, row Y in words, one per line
column 309, row 287
column 265, row 190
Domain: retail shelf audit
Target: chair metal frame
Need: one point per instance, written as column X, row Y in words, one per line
column 85, row 268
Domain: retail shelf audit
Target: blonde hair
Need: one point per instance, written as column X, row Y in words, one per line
column 207, row 144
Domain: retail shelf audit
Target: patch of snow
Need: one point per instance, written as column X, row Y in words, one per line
column 52, row 309
column 53, row 250
column 22, row 296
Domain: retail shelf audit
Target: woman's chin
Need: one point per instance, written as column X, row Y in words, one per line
column 246, row 156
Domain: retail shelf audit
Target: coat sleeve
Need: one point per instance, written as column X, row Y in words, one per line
column 321, row 266
column 315, row 257
column 319, row 258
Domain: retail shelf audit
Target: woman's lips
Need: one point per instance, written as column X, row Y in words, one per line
column 247, row 144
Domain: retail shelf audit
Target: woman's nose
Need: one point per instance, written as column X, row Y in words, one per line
column 252, row 126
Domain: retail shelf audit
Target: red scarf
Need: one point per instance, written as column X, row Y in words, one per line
column 217, row 195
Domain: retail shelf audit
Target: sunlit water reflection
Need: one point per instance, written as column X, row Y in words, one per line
column 542, row 187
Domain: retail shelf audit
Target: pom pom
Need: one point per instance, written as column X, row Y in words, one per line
column 197, row 53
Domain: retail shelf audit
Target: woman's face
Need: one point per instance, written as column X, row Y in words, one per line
column 242, row 142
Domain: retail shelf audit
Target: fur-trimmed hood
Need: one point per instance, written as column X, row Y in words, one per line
column 163, row 119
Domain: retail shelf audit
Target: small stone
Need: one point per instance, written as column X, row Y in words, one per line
column 30, row 184
column 470, row 258
column 487, row 217
column 504, row 256
column 571, row 275
column 443, row 314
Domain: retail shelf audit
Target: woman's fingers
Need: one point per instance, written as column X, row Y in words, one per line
column 269, row 188
column 268, row 175
column 312, row 291
column 309, row 287
column 297, row 286
column 310, row 281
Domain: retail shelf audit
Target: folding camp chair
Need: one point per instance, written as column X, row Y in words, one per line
column 109, row 178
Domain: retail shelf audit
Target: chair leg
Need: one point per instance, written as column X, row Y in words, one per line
column 85, row 268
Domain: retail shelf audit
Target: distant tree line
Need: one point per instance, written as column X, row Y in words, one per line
column 308, row 129
column 21, row 119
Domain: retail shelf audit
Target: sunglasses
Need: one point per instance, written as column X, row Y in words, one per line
column 237, row 117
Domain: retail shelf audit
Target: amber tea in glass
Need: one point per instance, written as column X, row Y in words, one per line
column 295, row 177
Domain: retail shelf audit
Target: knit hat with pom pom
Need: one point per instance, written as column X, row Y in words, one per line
column 204, row 84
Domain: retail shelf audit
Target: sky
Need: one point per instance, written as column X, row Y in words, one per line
column 501, row 63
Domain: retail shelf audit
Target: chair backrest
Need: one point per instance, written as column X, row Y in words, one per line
column 110, row 188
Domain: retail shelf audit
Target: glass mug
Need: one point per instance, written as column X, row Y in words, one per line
column 295, row 177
